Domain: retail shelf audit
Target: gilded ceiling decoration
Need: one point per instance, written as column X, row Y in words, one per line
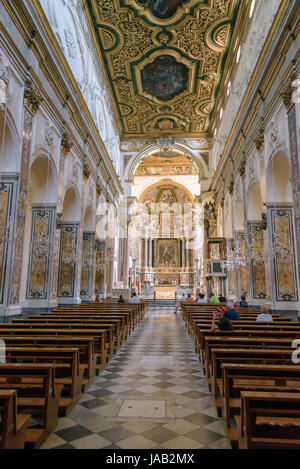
column 166, row 164
column 165, row 61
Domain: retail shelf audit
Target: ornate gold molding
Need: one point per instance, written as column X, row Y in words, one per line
column 260, row 139
column 288, row 91
column 32, row 96
column 66, row 143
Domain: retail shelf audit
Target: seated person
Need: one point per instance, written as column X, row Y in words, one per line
column 220, row 321
column 121, row 299
column 201, row 299
column 222, row 298
column 214, row 299
column 265, row 315
column 243, row 303
column 134, row 298
column 231, row 313
column 190, row 298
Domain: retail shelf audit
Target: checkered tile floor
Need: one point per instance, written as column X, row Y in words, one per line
column 156, row 371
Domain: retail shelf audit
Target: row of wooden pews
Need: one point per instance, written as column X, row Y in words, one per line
column 250, row 372
column 51, row 359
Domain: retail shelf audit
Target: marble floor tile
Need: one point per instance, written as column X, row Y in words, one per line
column 152, row 394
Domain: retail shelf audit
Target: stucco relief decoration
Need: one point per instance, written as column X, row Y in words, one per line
column 49, row 134
column 71, row 45
column 274, row 132
column 165, row 67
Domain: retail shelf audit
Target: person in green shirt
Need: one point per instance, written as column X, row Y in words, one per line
column 214, row 299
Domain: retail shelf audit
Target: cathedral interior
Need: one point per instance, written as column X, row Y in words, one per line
column 149, row 147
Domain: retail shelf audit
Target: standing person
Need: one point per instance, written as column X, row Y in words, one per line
column 182, row 299
column 220, row 321
column 243, row 303
column 214, row 299
column 134, row 298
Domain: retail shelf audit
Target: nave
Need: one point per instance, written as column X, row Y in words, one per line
column 156, row 367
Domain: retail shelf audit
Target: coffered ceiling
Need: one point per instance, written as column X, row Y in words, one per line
column 165, row 61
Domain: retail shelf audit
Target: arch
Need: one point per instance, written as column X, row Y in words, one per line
column 170, row 182
column 150, row 149
column 238, row 215
column 228, row 218
column 89, row 220
column 10, row 148
column 43, row 180
column 279, row 187
column 71, row 205
column 254, row 205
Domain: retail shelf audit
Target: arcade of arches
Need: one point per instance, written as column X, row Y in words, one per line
column 149, row 146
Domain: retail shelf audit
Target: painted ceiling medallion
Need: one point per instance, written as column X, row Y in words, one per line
column 162, row 8
column 165, row 60
column 165, row 78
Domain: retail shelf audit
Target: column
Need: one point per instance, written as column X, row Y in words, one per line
column 150, row 252
column 65, row 148
column 146, row 254
column 32, row 101
column 8, row 214
column 287, row 96
column 87, row 267
column 38, row 290
column 67, row 274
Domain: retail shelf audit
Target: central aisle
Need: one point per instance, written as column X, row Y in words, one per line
column 152, row 394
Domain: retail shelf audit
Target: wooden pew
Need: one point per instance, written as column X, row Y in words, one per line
column 262, row 333
column 98, row 335
column 240, row 343
column 269, row 420
column 115, row 336
column 244, row 356
column 67, row 369
column 36, row 392
column 13, row 426
column 118, row 323
column 85, row 345
column 238, row 377
column 108, row 328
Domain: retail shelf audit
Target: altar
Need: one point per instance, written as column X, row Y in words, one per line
column 165, row 291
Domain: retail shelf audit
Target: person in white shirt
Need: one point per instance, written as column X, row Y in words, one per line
column 201, row 299
column 134, row 298
column 265, row 315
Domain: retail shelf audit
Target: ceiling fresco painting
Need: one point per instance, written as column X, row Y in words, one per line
column 165, row 60
column 164, row 78
column 162, row 8
column 171, row 164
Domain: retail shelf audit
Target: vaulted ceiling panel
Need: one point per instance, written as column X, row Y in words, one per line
column 165, row 61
